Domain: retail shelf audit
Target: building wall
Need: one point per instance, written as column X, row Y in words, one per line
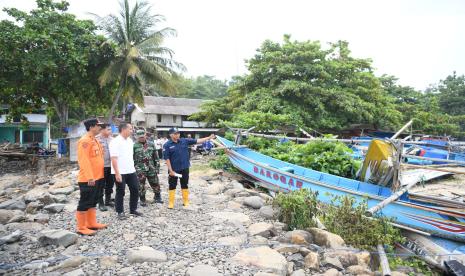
column 7, row 133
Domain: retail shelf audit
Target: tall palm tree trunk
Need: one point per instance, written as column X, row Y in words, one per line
column 115, row 102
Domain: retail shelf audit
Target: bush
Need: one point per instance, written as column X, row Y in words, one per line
column 222, row 162
column 297, row 208
column 347, row 219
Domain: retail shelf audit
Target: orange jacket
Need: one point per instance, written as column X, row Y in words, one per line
column 90, row 159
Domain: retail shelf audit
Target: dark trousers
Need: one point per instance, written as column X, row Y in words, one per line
column 173, row 180
column 88, row 195
column 160, row 153
column 133, row 185
column 109, row 183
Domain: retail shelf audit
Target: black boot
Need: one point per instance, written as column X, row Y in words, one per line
column 157, row 198
column 142, row 201
column 102, row 207
column 108, row 201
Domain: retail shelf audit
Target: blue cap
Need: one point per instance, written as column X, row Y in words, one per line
column 173, row 130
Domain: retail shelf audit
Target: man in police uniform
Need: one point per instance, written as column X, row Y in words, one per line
column 176, row 154
column 147, row 166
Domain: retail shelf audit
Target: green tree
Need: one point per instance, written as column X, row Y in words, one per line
column 452, row 94
column 140, row 56
column 50, row 58
column 322, row 89
column 201, row 87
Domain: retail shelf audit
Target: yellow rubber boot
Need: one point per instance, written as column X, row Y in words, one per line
column 171, row 194
column 185, row 197
column 92, row 220
column 81, row 218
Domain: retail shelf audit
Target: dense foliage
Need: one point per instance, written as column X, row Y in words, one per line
column 302, row 83
column 202, row 87
column 345, row 217
column 297, row 208
column 48, row 57
column 328, row 157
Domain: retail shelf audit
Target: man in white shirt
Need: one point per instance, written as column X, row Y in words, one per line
column 122, row 167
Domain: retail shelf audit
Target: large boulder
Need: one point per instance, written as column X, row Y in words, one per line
column 11, row 238
column 7, row 215
column 263, row 229
column 55, row 207
column 146, row 254
column 312, row 261
column 359, row 270
column 325, row 238
column 298, row 237
column 345, row 255
column 13, row 204
column 267, row 212
column 25, row 226
column 215, row 188
column 39, row 194
column 58, row 237
column 264, row 258
column 33, row 207
column 255, row 202
column 60, row 191
column 203, row 270
column 287, row 248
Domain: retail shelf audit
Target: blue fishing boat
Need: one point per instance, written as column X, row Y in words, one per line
column 440, row 220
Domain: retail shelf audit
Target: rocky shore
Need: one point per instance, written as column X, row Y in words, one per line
column 227, row 230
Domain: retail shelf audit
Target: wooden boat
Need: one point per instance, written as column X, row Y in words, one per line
column 435, row 219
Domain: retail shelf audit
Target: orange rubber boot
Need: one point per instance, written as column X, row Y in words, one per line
column 92, row 220
column 81, row 218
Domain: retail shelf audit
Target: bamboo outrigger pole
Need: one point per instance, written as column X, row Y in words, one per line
column 383, row 261
column 370, row 212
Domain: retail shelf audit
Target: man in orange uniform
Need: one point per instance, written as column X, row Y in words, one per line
column 90, row 159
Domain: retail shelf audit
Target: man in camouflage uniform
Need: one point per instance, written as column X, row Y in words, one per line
column 147, row 166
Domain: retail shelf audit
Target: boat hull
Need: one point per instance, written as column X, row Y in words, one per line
column 442, row 222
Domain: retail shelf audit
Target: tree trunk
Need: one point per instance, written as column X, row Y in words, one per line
column 62, row 111
column 115, row 102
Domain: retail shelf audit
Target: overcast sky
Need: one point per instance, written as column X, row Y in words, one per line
column 419, row 41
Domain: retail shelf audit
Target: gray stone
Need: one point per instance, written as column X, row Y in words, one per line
column 346, row 257
column 215, row 188
column 258, row 241
column 7, row 215
column 58, row 237
column 232, row 192
column 33, row 207
column 232, row 240
column 265, row 197
column 236, row 185
column 254, row 202
column 267, row 212
column 77, row 272
column 36, row 265
column 332, row 262
column 17, row 218
column 25, row 226
column 55, row 207
column 41, row 218
column 13, row 237
column 146, row 254
column 13, row 204
column 263, row 258
column 126, row 271
column 39, row 194
column 73, row 262
column 203, row 270
column 332, row 272
column 296, row 257
column 63, row 191
column 60, row 198
column 359, row 270
column 299, row 272
column 263, row 229
column 178, row 266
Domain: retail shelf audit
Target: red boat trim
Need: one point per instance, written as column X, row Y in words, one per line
column 445, row 225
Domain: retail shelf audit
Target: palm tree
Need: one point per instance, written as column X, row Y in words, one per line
column 140, row 57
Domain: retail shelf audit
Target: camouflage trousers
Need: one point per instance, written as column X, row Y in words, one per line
column 152, row 178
